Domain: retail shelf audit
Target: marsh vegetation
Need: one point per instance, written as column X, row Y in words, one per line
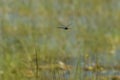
column 89, row 50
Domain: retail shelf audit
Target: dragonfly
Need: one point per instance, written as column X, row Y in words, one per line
column 65, row 27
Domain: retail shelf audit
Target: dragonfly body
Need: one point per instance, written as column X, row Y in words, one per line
column 65, row 27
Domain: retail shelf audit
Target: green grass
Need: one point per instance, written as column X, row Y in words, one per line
column 28, row 27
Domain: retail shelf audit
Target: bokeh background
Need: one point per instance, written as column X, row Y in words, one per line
column 91, row 46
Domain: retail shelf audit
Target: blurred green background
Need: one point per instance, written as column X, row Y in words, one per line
column 28, row 27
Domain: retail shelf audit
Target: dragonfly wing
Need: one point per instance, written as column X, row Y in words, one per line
column 69, row 25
